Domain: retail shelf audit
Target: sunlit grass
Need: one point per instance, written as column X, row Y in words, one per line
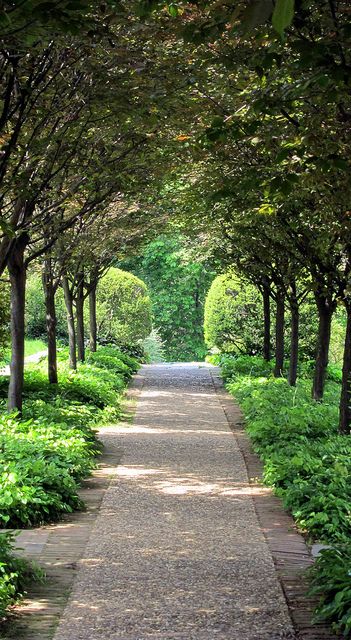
column 31, row 347
column 34, row 346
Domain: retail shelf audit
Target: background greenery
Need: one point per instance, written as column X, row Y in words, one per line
column 178, row 282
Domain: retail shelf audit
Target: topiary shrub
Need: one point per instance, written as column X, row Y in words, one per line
column 233, row 316
column 123, row 308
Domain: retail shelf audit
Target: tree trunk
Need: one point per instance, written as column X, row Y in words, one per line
column 279, row 335
column 92, row 319
column 70, row 323
column 17, row 271
column 267, row 321
column 326, row 309
column 80, row 317
column 345, row 399
column 294, row 349
column 49, row 294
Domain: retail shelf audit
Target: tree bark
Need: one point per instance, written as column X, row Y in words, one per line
column 70, row 323
column 17, row 272
column 267, row 321
column 326, row 309
column 294, row 349
column 80, row 317
column 51, row 321
column 345, row 399
column 92, row 318
column 279, row 335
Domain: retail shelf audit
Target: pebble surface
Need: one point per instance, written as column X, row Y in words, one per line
column 177, row 551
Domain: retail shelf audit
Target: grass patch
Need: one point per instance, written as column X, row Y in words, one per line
column 32, row 346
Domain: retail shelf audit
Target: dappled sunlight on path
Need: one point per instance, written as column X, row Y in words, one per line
column 177, row 551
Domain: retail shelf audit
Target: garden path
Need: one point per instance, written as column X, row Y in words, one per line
column 177, row 551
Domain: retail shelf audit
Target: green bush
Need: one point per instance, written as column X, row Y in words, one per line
column 110, row 363
column 233, row 316
column 44, row 455
column 234, row 366
column 306, row 461
column 331, row 580
column 308, row 464
column 40, row 465
column 123, row 308
column 122, row 354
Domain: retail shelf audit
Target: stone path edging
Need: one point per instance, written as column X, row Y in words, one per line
column 291, row 555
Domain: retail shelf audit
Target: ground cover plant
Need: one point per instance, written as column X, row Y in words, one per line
column 45, row 454
column 307, row 462
column 15, row 573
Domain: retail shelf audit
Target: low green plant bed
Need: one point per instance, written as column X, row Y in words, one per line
column 331, row 580
column 307, row 463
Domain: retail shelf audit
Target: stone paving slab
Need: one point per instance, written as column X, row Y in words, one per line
column 177, row 550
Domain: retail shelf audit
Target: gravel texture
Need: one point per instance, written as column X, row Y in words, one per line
column 177, row 551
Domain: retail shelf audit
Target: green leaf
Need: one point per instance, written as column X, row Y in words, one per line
column 283, row 15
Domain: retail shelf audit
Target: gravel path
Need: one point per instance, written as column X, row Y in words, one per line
column 177, row 552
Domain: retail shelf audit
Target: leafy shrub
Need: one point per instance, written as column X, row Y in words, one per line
column 109, row 362
column 306, row 461
column 45, row 455
column 234, row 366
column 331, row 579
column 131, row 361
column 40, row 465
column 154, row 347
column 15, row 573
column 233, row 316
column 123, row 308
column 309, row 465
